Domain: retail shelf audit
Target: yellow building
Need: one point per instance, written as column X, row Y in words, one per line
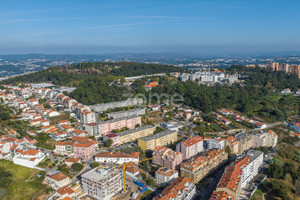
column 159, row 139
column 134, row 134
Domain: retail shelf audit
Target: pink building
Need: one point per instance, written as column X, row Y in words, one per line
column 190, row 147
column 166, row 157
column 108, row 126
column 84, row 150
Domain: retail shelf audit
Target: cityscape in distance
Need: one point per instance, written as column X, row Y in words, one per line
column 142, row 100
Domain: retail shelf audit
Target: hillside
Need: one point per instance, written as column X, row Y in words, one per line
column 63, row 75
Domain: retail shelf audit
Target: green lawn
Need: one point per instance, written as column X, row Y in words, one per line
column 19, row 188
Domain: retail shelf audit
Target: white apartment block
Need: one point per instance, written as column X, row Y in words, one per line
column 216, row 143
column 102, row 183
column 265, row 139
column 250, row 170
column 93, row 129
column 270, row 138
column 165, row 175
column 87, row 117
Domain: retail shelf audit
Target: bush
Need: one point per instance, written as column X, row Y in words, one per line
column 77, row 167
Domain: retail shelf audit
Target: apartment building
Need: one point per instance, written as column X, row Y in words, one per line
column 129, row 113
column 259, row 139
column 216, row 143
column 129, row 122
column 198, row 167
column 64, row 148
column 238, row 174
column 136, row 133
column 181, row 188
column 166, row 157
column 190, row 147
column 102, row 183
column 164, row 175
column 270, row 138
column 245, row 142
column 93, row 129
column 253, row 168
column 159, row 139
column 293, row 69
column 221, row 195
column 118, row 158
column 87, row 117
column 84, row 149
column 232, row 142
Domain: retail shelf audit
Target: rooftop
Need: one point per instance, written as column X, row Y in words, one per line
column 118, row 155
column 179, row 186
column 58, row 177
column 158, row 135
column 134, row 130
column 100, row 174
column 164, row 171
column 192, row 141
column 253, row 154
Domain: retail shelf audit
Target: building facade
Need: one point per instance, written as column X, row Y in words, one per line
column 198, row 167
column 245, row 142
column 166, row 157
column 190, row 147
column 216, row 143
column 87, row 117
column 118, row 158
column 102, row 183
column 159, row 139
column 164, row 175
column 136, row 133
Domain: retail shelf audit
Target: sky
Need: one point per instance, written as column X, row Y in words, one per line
column 136, row 26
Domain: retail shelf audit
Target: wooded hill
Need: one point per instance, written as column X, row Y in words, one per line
column 64, row 75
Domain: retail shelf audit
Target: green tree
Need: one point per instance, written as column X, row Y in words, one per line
column 5, row 178
column 76, row 167
column 228, row 150
column 95, row 164
column 108, row 143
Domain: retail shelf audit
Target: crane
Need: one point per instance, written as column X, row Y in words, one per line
column 124, row 171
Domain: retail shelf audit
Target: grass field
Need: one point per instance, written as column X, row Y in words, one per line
column 25, row 185
column 59, row 118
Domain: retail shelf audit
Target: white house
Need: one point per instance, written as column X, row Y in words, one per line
column 57, row 180
column 28, row 158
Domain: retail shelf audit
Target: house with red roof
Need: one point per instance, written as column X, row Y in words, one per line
column 58, row 180
column 28, row 158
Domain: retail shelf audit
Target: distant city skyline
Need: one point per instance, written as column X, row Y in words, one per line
column 132, row 26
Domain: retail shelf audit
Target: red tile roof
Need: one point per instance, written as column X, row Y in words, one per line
column 173, row 191
column 58, row 177
column 192, row 141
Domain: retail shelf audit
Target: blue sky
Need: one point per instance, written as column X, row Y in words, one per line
column 97, row 26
